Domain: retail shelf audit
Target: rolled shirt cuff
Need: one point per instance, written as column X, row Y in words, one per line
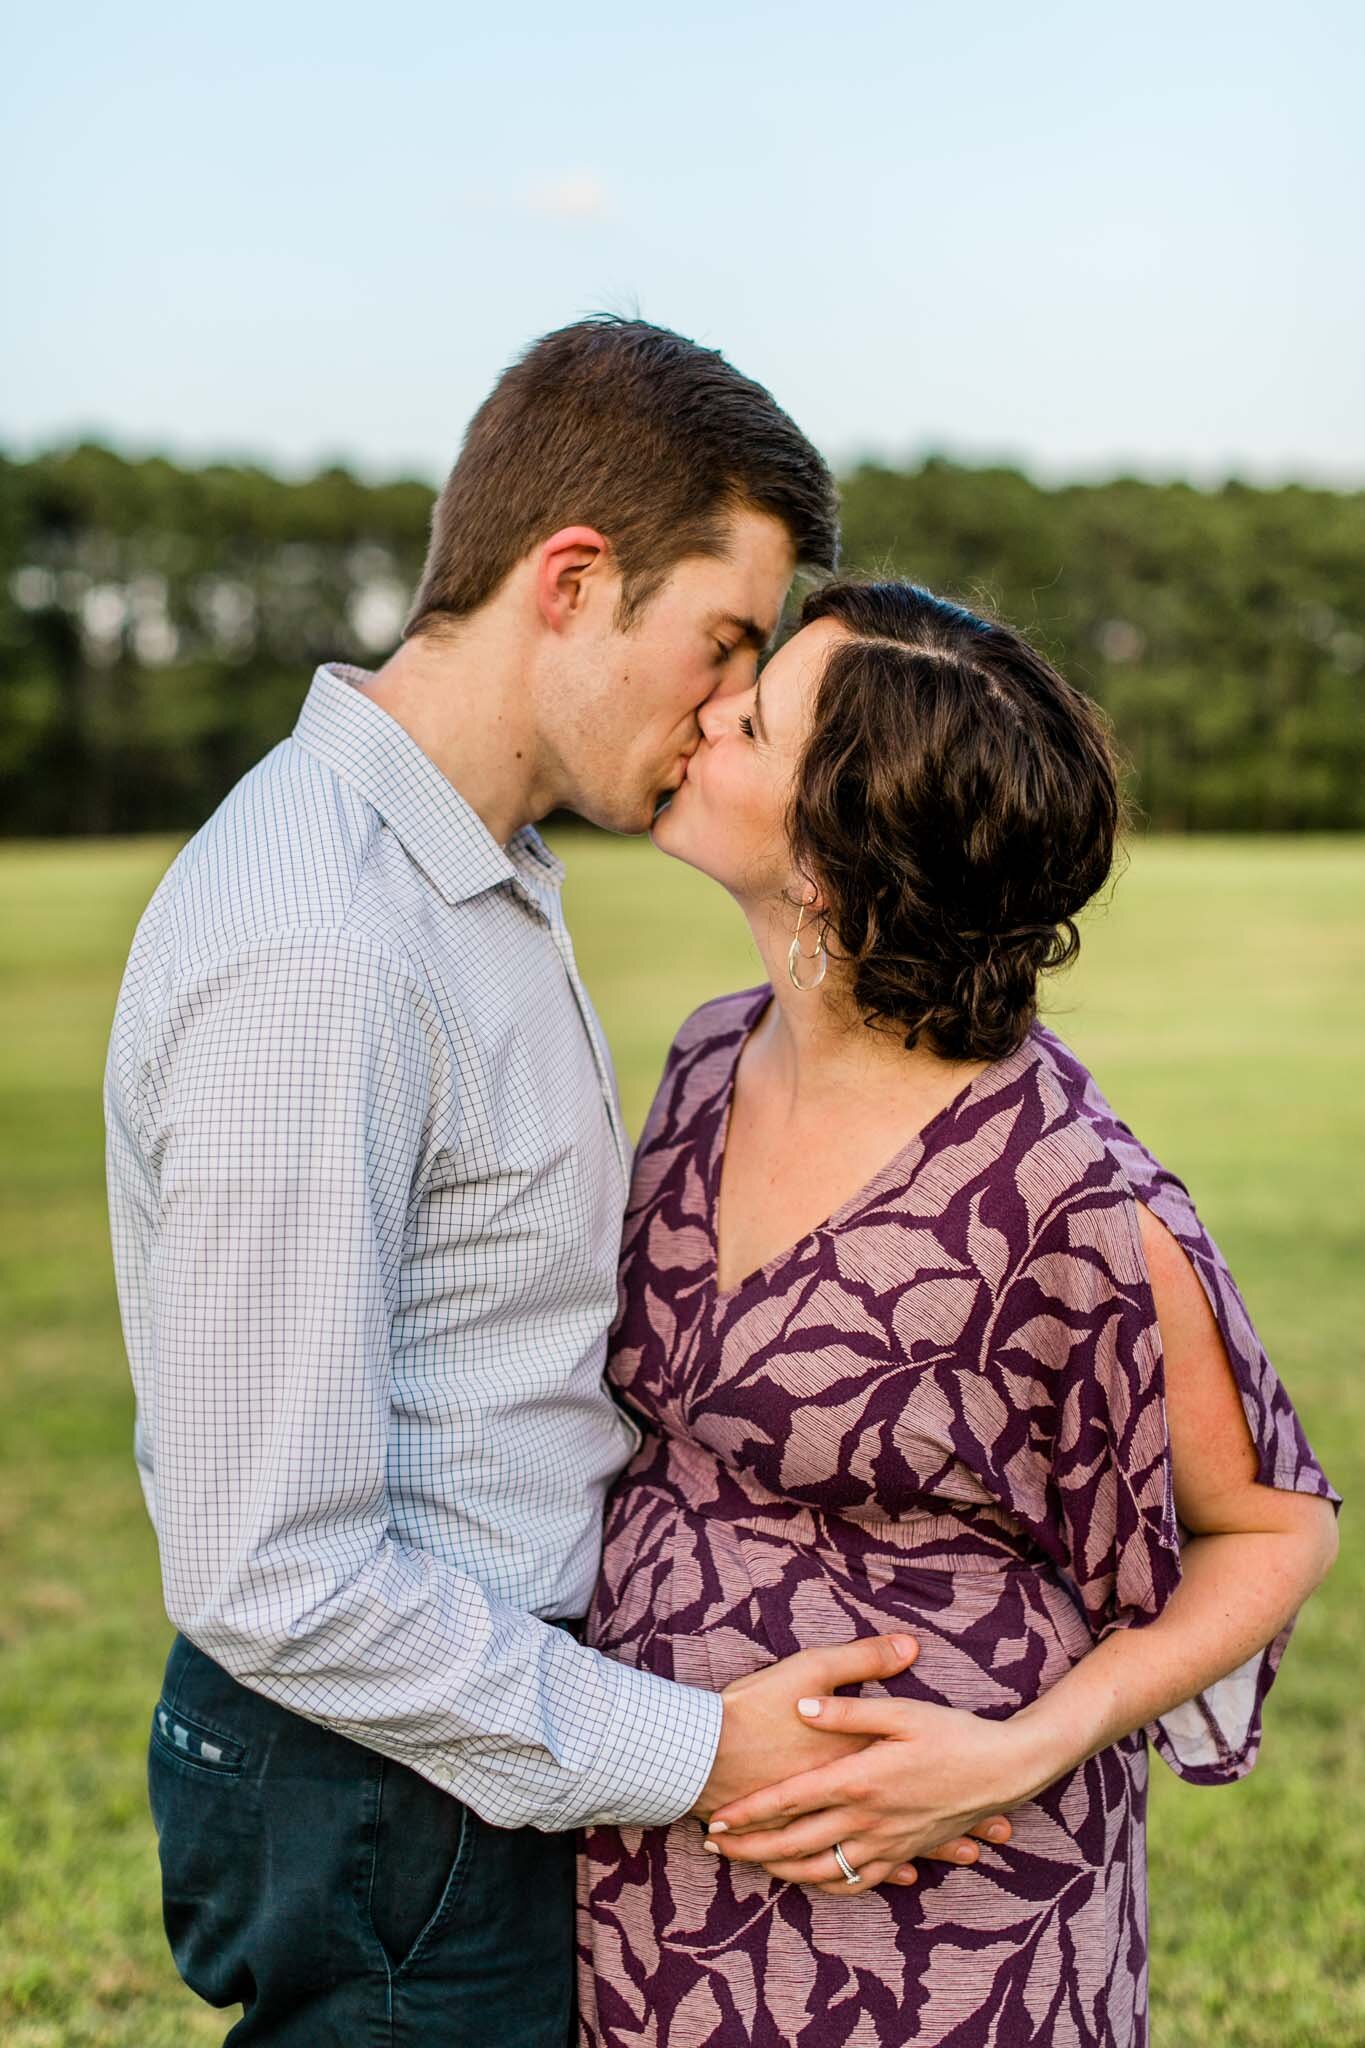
column 657, row 1755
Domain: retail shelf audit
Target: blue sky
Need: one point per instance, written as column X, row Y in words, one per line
column 1065, row 235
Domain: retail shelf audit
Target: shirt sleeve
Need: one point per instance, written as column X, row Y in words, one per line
column 1087, row 1463
column 288, row 1099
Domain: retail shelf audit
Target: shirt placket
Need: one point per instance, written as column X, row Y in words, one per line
column 553, row 919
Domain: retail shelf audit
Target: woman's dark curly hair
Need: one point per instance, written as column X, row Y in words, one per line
column 958, row 802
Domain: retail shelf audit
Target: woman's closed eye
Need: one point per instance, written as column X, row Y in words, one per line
column 746, row 725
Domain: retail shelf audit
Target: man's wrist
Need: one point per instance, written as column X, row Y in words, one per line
column 711, row 1796
column 660, row 1750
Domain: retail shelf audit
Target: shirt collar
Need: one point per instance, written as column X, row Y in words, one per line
column 445, row 836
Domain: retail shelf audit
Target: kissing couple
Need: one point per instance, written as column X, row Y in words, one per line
column 723, row 1592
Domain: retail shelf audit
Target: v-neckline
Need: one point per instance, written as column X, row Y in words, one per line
column 723, row 1297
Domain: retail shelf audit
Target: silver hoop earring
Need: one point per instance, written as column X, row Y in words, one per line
column 794, row 953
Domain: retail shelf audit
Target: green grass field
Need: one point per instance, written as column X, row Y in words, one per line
column 1219, row 1000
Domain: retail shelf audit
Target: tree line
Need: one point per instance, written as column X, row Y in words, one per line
column 159, row 624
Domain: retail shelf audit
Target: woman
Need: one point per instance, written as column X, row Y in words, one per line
column 923, row 1338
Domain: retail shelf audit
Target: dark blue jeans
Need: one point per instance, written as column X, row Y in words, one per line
column 343, row 1900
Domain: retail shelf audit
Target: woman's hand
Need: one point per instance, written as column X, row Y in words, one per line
column 763, row 1740
column 936, row 1776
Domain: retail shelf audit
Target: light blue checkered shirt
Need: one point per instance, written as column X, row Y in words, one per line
column 367, row 1173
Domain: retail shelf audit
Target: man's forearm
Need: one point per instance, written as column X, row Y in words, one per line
column 507, row 1713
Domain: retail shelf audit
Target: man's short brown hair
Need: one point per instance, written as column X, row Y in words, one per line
column 631, row 429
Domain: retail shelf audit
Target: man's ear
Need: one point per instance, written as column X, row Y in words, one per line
column 570, row 565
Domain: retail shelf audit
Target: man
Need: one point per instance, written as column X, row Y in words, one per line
column 367, row 1172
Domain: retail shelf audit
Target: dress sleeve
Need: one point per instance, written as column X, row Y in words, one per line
column 1075, row 1351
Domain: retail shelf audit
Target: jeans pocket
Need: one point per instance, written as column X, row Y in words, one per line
column 205, row 1810
column 189, row 1740
column 421, row 1850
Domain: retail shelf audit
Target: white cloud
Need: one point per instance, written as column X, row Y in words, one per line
column 575, row 195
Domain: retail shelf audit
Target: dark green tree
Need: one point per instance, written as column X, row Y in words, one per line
column 159, row 624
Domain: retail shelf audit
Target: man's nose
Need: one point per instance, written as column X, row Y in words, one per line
column 713, row 715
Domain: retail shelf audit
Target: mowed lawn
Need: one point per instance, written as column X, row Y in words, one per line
column 1219, row 1000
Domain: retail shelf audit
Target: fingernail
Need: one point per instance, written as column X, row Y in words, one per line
column 810, row 1708
column 907, row 1873
column 905, row 1644
column 711, row 1848
column 999, row 1833
column 719, row 1827
column 966, row 1855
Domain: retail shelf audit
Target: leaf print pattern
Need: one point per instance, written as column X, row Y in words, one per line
column 942, row 1410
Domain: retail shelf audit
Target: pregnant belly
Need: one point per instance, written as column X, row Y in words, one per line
column 704, row 1600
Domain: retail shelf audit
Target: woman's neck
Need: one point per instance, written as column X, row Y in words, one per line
column 813, row 1047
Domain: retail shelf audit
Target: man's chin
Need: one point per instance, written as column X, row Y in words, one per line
column 665, row 801
column 664, row 820
column 615, row 811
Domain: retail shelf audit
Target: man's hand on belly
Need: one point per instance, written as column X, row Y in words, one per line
column 763, row 1739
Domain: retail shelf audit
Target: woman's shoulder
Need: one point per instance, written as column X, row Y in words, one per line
column 715, row 1030
column 703, row 1050
column 1122, row 1195
column 1285, row 1457
column 1100, row 1131
column 721, row 1019
column 1033, row 1124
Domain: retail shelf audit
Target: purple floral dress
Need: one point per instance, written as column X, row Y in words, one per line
column 942, row 1410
